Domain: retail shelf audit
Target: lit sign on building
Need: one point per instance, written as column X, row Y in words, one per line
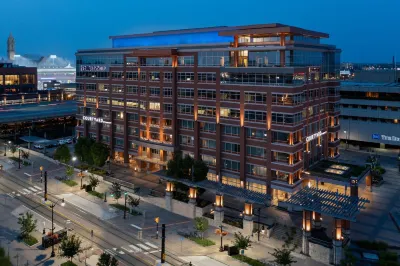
column 95, row 119
column 90, row 68
column 314, row 136
column 384, row 137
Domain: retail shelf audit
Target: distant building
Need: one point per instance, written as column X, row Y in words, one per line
column 10, row 47
column 370, row 109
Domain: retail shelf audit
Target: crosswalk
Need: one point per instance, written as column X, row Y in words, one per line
column 145, row 248
column 25, row 191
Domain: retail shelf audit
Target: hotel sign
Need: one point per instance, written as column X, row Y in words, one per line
column 384, row 137
column 314, row 136
column 95, row 119
column 91, row 68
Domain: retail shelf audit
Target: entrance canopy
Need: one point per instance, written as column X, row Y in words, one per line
column 330, row 203
column 236, row 192
column 36, row 140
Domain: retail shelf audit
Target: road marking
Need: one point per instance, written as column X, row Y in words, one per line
column 18, row 195
column 81, row 210
column 33, row 189
column 135, row 248
column 128, row 250
column 11, row 195
column 137, row 227
column 27, row 191
column 23, row 193
column 27, row 174
column 13, row 192
column 154, row 251
column 151, row 245
column 121, row 252
column 143, row 246
column 110, row 252
column 37, row 187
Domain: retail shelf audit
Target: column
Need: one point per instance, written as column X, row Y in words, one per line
column 346, row 229
column 316, row 221
column 337, row 242
column 305, row 247
column 248, row 224
column 168, row 196
column 219, row 209
column 354, row 186
column 368, row 181
column 192, row 201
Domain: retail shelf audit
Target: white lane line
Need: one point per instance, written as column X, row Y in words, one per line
column 13, row 192
column 110, row 252
column 23, row 193
column 127, row 250
column 137, row 227
column 154, row 251
column 81, row 211
column 121, row 252
column 33, row 189
column 135, row 248
column 10, row 195
column 143, row 246
column 27, row 174
column 39, row 188
column 27, row 191
column 151, row 245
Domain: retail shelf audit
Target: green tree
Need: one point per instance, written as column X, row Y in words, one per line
column 174, row 166
column 100, row 152
column 25, row 154
column 116, row 191
column 27, row 223
column 93, row 181
column 349, row 258
column 200, row 170
column 4, row 260
column 83, row 149
column 104, row 259
column 62, row 154
column 114, row 262
column 13, row 149
column 70, row 246
column 240, row 241
column 69, row 171
column 133, row 201
column 201, row 225
column 282, row 256
column 186, row 165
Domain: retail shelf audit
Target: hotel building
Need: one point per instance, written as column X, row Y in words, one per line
column 259, row 104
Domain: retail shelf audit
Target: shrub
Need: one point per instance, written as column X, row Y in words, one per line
column 70, row 183
column 88, row 188
column 205, row 242
column 96, row 194
column 248, row 260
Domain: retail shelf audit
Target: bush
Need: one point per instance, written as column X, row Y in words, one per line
column 201, row 241
column 118, row 206
column 70, row 183
column 372, row 245
column 88, row 188
column 248, row 260
column 68, row 263
column 30, row 240
column 96, row 194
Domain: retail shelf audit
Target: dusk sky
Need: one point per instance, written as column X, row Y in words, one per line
column 365, row 30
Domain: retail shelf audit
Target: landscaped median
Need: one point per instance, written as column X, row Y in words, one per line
column 201, row 241
column 122, row 208
column 248, row 260
column 96, row 194
column 30, row 240
column 69, row 182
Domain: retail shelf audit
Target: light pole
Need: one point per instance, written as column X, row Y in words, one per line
column 221, row 248
column 41, row 174
column 45, row 185
column 258, row 233
column 52, row 205
column 125, row 195
column 157, row 220
column 73, row 161
column 345, row 133
column 105, row 196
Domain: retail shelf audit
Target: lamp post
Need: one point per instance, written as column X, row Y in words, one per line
column 105, row 196
column 345, row 133
column 125, row 196
column 73, row 161
column 258, row 230
column 221, row 248
column 41, row 174
column 157, row 220
column 82, row 178
column 52, row 205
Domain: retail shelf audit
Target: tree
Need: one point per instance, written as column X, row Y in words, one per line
column 62, row 154
column 69, row 171
column 13, row 149
column 133, row 202
column 200, row 170
column 70, row 246
column 349, row 258
column 241, row 242
column 186, row 165
column 174, row 166
column 283, row 257
column 201, row 225
column 116, row 191
column 25, row 154
column 93, row 181
column 4, row 260
column 100, row 153
column 83, row 149
column 28, row 225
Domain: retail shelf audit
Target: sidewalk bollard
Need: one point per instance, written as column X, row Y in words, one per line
column 140, row 234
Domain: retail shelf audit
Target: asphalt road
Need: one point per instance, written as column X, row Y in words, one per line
column 106, row 236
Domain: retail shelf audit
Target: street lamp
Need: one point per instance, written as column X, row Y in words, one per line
column 125, row 194
column 52, row 205
column 41, row 174
column 345, row 133
column 73, row 160
column 157, row 220
column 222, row 233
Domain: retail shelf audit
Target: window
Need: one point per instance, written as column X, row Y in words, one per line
column 257, row 187
column 255, row 116
column 132, row 75
column 186, row 77
column 262, row 79
column 206, row 111
column 102, row 87
column 280, row 157
column 253, row 151
column 255, row 97
column 156, row 61
column 208, row 127
column 143, row 105
column 117, row 88
column 167, row 77
column 230, row 113
column 254, row 133
column 11, row 79
column 104, row 114
column 212, row 177
column 231, row 165
column 117, row 75
column 143, row 90
column 281, row 176
column 154, row 76
column 209, row 160
column 154, row 136
column 132, row 117
column 206, row 77
column 186, row 60
column 167, row 123
column 256, row 170
column 154, row 106
column 118, row 102
column 131, row 61
column 133, row 131
column 213, row 58
column 230, row 96
column 167, row 108
column 143, row 76
column 132, row 104
column 90, row 87
column 185, row 109
column 186, row 140
column 206, row 94
column 118, row 142
column 167, row 92
column 154, row 91
column 231, row 130
column 185, row 93
column 25, row 79
column 231, row 181
column 288, row 99
column 186, row 124
column 281, row 137
column 90, row 99
column 119, row 129
column 208, row 144
column 104, row 100
column 79, row 86
column 131, row 89
column 286, row 119
column 230, row 147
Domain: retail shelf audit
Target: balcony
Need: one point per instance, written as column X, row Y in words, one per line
column 334, row 128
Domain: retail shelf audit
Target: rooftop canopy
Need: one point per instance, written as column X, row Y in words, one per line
column 329, row 203
column 236, row 192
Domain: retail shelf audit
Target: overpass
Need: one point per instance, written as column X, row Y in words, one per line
column 35, row 112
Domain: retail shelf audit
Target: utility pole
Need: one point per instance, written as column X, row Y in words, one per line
column 163, row 243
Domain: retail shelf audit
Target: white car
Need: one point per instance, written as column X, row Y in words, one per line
column 38, row 146
column 62, row 142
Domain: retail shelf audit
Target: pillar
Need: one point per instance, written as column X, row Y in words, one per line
column 368, row 181
column 305, row 247
column 316, row 220
column 337, row 242
column 248, row 224
column 354, row 186
column 192, row 201
column 168, row 196
column 346, row 229
column 219, row 209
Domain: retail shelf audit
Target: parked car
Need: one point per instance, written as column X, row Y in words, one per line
column 61, row 142
column 38, row 146
column 69, row 141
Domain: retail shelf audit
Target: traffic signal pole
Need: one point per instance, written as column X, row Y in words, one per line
column 163, row 243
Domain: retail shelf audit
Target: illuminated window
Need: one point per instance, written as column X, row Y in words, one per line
column 11, row 80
